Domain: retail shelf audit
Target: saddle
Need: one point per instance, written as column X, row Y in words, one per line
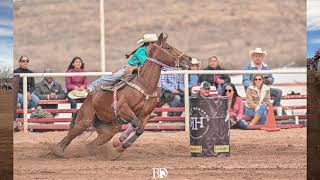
column 119, row 84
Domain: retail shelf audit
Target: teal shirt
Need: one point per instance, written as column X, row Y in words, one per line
column 139, row 57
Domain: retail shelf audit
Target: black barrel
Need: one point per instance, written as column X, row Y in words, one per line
column 209, row 126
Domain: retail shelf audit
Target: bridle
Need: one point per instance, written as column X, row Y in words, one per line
column 177, row 59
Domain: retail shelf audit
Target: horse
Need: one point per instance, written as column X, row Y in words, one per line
column 131, row 105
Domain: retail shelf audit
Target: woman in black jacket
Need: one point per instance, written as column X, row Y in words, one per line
column 218, row 80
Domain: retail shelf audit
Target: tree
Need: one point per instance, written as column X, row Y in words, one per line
column 6, row 72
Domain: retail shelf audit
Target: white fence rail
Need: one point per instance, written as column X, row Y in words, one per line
column 184, row 72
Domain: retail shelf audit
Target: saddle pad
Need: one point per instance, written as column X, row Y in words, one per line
column 118, row 84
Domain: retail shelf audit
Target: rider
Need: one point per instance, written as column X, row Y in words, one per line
column 139, row 57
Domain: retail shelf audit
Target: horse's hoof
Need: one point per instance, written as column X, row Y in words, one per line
column 121, row 149
column 115, row 157
column 57, row 150
column 116, row 140
column 113, row 153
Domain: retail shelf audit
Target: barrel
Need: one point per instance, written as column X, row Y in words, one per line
column 209, row 126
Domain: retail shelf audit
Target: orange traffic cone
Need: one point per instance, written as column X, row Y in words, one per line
column 270, row 125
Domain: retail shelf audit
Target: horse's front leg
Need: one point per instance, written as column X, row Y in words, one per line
column 120, row 137
column 127, row 114
column 133, row 137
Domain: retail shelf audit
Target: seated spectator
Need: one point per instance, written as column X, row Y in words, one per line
column 316, row 59
column 214, row 79
column 235, row 109
column 258, row 98
column 204, row 90
column 49, row 89
column 257, row 63
column 78, row 83
column 193, row 78
column 33, row 100
column 172, row 91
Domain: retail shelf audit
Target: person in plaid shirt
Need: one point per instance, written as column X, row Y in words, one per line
column 172, row 91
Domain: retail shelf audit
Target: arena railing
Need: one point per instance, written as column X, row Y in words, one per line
column 185, row 73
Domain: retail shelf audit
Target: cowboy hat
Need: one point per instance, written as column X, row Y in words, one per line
column 257, row 51
column 148, row 38
column 76, row 94
column 195, row 61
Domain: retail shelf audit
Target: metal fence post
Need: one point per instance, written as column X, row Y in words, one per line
column 25, row 105
column 186, row 101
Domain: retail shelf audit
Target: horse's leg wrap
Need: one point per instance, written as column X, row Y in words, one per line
column 126, row 133
column 128, row 142
column 135, row 122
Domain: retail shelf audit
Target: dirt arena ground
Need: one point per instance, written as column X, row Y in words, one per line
column 254, row 155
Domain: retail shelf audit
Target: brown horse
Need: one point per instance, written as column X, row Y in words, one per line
column 135, row 102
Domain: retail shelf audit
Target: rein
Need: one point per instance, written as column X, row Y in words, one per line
column 163, row 66
column 177, row 59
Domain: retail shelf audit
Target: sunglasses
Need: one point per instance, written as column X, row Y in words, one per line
column 258, row 79
column 23, row 61
column 229, row 90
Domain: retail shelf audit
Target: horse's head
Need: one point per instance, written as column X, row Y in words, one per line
column 169, row 55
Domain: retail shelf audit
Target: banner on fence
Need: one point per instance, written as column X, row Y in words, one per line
column 209, row 126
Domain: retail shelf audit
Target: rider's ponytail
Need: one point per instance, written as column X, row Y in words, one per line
column 128, row 55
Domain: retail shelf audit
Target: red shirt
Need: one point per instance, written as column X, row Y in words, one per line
column 73, row 81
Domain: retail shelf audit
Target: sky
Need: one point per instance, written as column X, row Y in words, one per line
column 313, row 26
column 6, row 32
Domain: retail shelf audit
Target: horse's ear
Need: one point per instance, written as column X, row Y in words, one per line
column 160, row 37
column 165, row 37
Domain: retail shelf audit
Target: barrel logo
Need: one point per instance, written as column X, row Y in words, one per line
column 199, row 122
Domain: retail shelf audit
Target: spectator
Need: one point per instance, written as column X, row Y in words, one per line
column 193, row 78
column 33, row 100
column 49, row 89
column 316, row 58
column 78, row 83
column 258, row 98
column 216, row 80
column 204, row 90
column 235, row 109
column 257, row 63
column 172, row 91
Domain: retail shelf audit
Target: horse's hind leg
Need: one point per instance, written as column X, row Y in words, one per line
column 84, row 119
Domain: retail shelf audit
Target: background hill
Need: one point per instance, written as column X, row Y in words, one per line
column 51, row 32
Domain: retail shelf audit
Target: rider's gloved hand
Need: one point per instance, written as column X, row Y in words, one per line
column 90, row 90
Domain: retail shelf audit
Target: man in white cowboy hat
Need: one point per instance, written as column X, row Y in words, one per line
column 138, row 58
column 257, row 55
column 194, row 78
